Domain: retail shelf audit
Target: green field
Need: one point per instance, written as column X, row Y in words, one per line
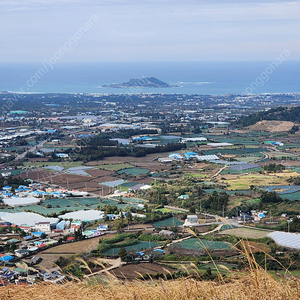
column 197, row 244
column 243, row 182
column 229, row 171
column 137, row 247
column 134, row 171
column 168, row 210
column 291, row 196
column 168, row 222
column 221, row 268
column 195, row 175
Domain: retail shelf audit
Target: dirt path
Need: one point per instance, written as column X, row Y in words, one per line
column 114, row 263
column 223, row 168
column 214, row 230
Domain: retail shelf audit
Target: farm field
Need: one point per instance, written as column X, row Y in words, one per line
column 195, row 244
column 137, row 247
column 216, row 268
column 116, row 167
column 246, row 233
column 67, row 250
column 168, row 222
column 65, row 165
column 134, row 171
column 133, row 271
column 245, row 181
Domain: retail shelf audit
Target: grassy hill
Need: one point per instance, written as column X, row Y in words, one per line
column 275, row 114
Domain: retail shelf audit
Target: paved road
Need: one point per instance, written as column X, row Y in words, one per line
column 32, row 149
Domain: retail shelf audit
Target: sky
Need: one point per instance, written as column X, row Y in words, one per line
column 148, row 30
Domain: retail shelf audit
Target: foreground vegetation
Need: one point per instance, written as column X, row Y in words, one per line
column 257, row 284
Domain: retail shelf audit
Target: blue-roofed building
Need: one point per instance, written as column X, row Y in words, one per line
column 7, row 187
column 50, row 131
column 136, row 139
column 261, row 215
column 37, row 233
column 85, row 135
column 111, row 216
column 189, row 155
column 61, row 225
column 6, row 258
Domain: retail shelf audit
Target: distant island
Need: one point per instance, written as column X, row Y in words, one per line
column 148, row 82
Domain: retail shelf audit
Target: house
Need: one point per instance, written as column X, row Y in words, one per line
column 61, row 155
column 21, row 253
column 43, row 226
column 185, row 197
column 245, row 217
column 37, row 233
column 176, row 156
column 167, row 233
column 157, row 253
column 75, row 225
column 13, row 241
column 165, row 160
column 62, row 225
column 103, row 227
column 191, row 220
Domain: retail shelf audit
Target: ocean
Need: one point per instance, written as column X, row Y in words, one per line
column 216, row 78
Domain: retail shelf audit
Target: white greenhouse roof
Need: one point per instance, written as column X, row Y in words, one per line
column 25, row 218
column 285, row 239
column 17, row 201
column 219, row 144
column 207, row 157
column 84, row 215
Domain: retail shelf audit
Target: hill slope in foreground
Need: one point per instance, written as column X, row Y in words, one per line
column 256, row 285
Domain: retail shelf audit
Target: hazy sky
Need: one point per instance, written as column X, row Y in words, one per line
column 149, row 30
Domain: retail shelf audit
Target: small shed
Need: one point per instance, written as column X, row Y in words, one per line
column 167, row 233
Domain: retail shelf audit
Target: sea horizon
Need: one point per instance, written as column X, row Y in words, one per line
column 204, row 78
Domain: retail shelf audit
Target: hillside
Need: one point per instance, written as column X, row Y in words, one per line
column 272, row 126
column 291, row 114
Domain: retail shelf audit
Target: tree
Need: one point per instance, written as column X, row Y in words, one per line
column 122, row 253
column 43, row 235
column 129, row 217
column 193, row 210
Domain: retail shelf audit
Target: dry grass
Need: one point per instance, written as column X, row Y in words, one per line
column 257, row 285
column 254, row 284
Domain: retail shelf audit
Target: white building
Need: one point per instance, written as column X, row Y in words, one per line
column 191, row 220
column 43, row 227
